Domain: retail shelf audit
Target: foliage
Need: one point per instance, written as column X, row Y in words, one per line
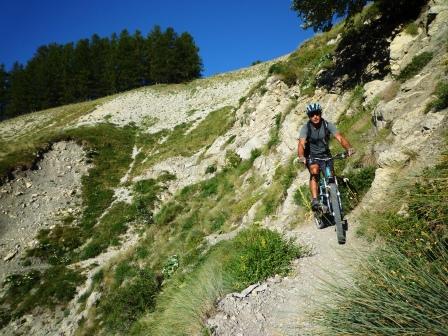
column 321, row 15
column 126, row 302
column 411, row 29
column 260, row 253
column 302, row 196
column 441, row 100
column 354, row 185
column 96, row 67
column 400, row 288
column 416, row 65
column 252, row 256
column 52, row 288
column 391, row 294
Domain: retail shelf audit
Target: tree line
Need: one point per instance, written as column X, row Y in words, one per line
column 91, row 68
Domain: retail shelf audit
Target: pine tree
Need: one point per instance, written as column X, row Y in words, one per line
column 188, row 64
column 82, row 68
column 18, row 98
column 162, row 63
column 3, row 91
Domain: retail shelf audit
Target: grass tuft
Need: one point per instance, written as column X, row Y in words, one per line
column 416, row 65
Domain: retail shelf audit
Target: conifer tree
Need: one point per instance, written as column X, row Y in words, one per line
column 18, row 97
column 3, row 90
column 188, row 64
column 82, row 70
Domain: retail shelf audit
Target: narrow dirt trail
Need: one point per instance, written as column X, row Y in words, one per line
column 281, row 306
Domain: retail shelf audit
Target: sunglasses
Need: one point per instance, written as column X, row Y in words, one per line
column 312, row 114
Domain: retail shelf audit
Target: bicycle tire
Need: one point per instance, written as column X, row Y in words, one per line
column 338, row 221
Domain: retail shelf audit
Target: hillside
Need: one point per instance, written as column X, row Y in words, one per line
column 156, row 211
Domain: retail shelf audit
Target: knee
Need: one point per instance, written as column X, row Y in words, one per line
column 314, row 177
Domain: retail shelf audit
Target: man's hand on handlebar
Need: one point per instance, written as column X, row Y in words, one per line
column 350, row 151
column 301, row 159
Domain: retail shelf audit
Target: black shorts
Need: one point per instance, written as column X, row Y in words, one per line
column 321, row 163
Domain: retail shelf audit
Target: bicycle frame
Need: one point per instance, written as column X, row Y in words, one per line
column 327, row 176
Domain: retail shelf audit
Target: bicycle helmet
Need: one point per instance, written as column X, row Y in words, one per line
column 313, row 108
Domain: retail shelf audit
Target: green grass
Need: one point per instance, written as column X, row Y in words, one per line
column 303, row 64
column 276, row 193
column 441, row 100
column 359, row 182
column 402, row 287
column 416, row 65
column 411, row 29
column 126, row 302
column 252, row 256
column 391, row 294
column 182, row 141
column 49, row 289
column 260, row 253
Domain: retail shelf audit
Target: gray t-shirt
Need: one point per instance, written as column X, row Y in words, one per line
column 317, row 138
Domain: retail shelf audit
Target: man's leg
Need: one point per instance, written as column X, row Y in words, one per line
column 314, row 183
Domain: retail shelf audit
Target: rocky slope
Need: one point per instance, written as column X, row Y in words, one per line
column 403, row 139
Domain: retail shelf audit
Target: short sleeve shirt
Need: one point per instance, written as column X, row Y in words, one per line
column 318, row 148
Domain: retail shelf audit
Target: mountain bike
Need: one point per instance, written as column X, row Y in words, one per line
column 330, row 210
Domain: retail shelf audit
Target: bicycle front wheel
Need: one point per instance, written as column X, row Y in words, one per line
column 338, row 221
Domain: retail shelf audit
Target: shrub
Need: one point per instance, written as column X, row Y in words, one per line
column 441, row 101
column 210, row 169
column 391, row 294
column 356, row 184
column 302, row 196
column 411, row 29
column 260, row 253
column 416, row 65
column 125, row 304
column 54, row 287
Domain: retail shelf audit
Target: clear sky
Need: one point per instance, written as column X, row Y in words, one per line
column 230, row 34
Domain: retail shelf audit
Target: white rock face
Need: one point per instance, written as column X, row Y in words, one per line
column 157, row 108
column 399, row 47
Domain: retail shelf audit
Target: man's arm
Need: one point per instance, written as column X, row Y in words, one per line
column 301, row 150
column 344, row 143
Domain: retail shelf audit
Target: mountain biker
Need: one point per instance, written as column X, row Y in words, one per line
column 313, row 143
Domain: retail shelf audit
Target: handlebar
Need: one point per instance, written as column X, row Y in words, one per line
column 341, row 156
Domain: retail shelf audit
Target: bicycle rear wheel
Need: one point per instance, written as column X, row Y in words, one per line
column 338, row 221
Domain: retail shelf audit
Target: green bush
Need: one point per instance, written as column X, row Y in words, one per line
column 124, row 304
column 411, row 29
column 302, row 196
column 392, row 294
column 441, row 101
column 260, row 253
column 416, row 65
column 354, row 185
column 54, row 287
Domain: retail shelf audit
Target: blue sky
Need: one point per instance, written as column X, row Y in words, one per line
column 230, row 34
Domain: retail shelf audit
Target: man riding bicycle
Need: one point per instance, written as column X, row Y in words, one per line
column 313, row 142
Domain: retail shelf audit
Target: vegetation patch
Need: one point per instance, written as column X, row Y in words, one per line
column 401, row 288
column 441, row 100
column 260, row 253
column 411, row 29
column 277, row 191
column 180, row 141
column 303, row 64
column 52, row 288
column 125, row 302
column 354, row 185
column 252, row 256
column 416, row 65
